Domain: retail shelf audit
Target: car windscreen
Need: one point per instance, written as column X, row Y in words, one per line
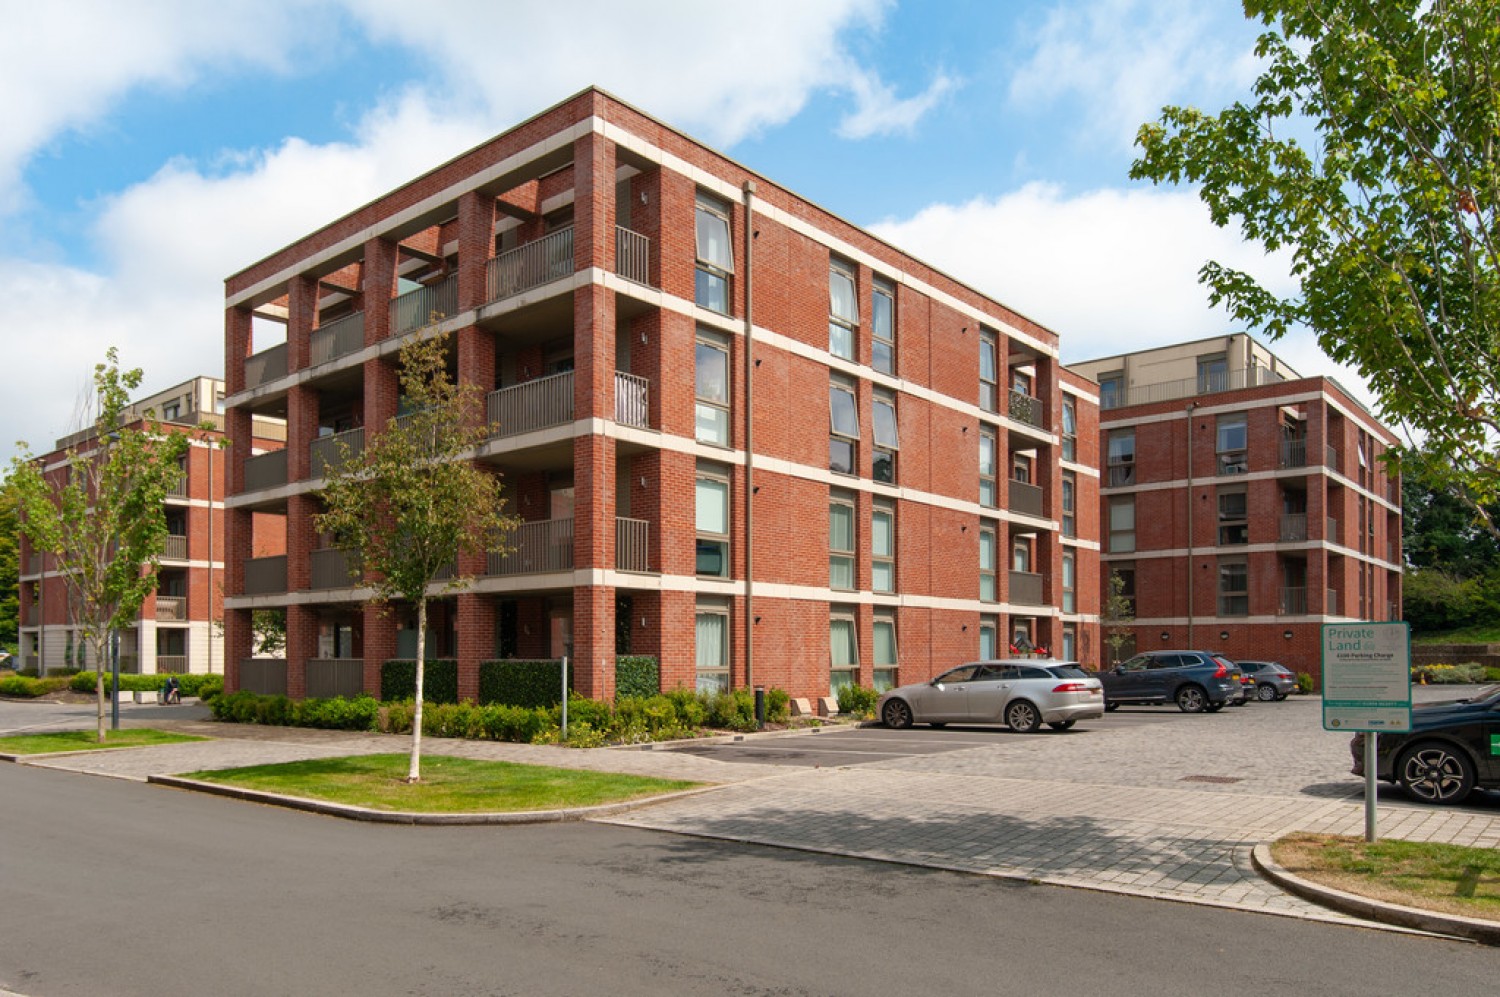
column 1068, row 672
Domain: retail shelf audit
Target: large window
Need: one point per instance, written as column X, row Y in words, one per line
column 883, row 326
column 712, row 640
column 1069, row 583
column 843, row 309
column 843, row 416
column 1111, row 390
column 989, row 371
column 988, row 591
column 1069, row 504
column 1234, row 518
column 1213, row 374
column 989, row 490
column 1231, row 441
column 885, row 652
column 713, row 523
column 887, row 439
column 841, row 542
column 1234, row 587
column 1122, row 524
column 1126, row 571
column 712, row 389
column 1070, row 642
column 843, row 651
column 989, row 629
column 883, row 547
column 715, row 256
column 1069, row 429
column 1122, row 457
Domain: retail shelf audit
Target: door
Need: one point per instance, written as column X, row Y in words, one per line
column 989, row 691
column 945, row 698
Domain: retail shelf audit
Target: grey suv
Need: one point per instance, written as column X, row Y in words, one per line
column 1195, row 680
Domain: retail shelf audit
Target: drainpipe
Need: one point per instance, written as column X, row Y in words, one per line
column 749, row 197
column 1190, row 407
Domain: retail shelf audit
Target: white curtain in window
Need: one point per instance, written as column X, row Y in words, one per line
column 841, row 643
column 713, row 239
column 713, row 639
column 885, row 643
column 883, row 535
column 713, row 506
column 840, row 527
column 841, row 300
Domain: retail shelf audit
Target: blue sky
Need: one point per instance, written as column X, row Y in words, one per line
column 149, row 148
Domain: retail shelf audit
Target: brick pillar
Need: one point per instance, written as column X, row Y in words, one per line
column 302, row 315
column 237, row 346
column 238, row 645
column 379, row 638
column 301, row 429
column 677, row 635
column 301, row 645
column 382, row 391
column 301, row 539
column 378, row 286
column 476, row 365
column 594, row 202
column 476, row 241
column 476, row 640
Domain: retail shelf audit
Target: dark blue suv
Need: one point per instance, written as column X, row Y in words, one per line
column 1196, row 681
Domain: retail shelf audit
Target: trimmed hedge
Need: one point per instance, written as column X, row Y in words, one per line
column 26, row 687
column 636, row 675
column 520, row 682
column 338, row 713
column 398, row 680
column 203, row 686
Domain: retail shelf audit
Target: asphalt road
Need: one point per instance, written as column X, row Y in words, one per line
column 120, row 888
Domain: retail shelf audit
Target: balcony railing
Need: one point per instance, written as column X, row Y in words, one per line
column 265, row 575
column 1294, row 453
column 265, row 470
column 1188, row 387
column 171, row 608
column 329, row 677
column 171, row 664
column 537, row 547
column 178, row 486
column 1331, row 457
column 632, row 400
column 267, row 365
column 263, row 676
column 1293, row 602
column 338, row 338
column 415, row 309
column 1025, row 588
column 1025, row 498
column 1026, row 408
column 632, row 255
column 532, row 265
column 327, row 452
column 632, row 548
column 1331, row 530
column 332, row 568
column 34, row 564
column 1293, row 527
column 1331, row 607
column 176, row 547
column 522, row 408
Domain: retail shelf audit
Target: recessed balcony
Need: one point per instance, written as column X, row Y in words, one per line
column 532, row 265
column 338, row 338
column 425, row 305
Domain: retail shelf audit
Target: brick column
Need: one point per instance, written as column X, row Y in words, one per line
column 238, row 645
column 476, row 241
column 594, row 202
column 476, row 365
column 301, row 429
column 301, row 645
column 237, row 346
column 476, row 640
column 379, row 284
column 379, row 640
column 301, row 539
column 382, row 390
column 302, row 315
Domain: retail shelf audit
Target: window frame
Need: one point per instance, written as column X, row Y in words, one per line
column 883, row 509
column 989, row 387
column 883, row 467
column 726, row 649
column 884, row 673
column 1111, row 389
column 1232, row 459
column 706, row 340
column 989, row 477
column 1069, row 429
column 883, row 288
column 1213, row 373
column 1069, row 582
column 1069, row 504
column 843, row 557
column 713, row 270
column 846, row 673
column 843, row 325
column 989, row 573
column 1117, row 530
column 989, row 629
column 1232, row 523
column 1233, row 601
column 836, row 436
column 1120, row 458
column 705, row 538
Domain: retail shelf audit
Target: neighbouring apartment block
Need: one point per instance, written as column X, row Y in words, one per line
column 743, row 436
column 178, row 629
column 1242, row 505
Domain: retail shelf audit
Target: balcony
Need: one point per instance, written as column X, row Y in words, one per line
column 632, row 548
column 536, row 548
column 332, row 568
column 632, row 255
column 265, row 366
column 176, row 548
column 171, row 664
column 171, row 609
column 265, row 470
column 532, row 265
column 1331, row 530
column 329, row 677
column 632, row 400
column 1025, row 499
column 414, row 309
column 1026, row 408
column 1331, row 607
column 1292, row 602
column 1025, row 588
column 333, row 450
column 1188, row 387
column 265, row 575
column 538, row 404
column 1294, row 453
column 1293, row 527
column 1331, row 457
column 338, row 338
column 263, row 676
column 178, row 486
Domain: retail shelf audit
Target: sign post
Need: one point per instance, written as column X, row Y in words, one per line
column 1367, row 687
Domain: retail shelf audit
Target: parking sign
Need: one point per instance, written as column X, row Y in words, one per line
column 1366, row 676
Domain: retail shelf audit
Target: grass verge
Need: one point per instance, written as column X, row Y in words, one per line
column 88, row 740
column 449, row 785
column 1451, row 879
column 1487, row 633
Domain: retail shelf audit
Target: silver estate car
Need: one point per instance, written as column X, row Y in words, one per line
column 1022, row 693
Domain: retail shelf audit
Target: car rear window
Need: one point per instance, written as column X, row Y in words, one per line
column 1068, row 672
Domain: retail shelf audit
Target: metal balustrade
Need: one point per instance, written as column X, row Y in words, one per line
column 171, row 608
column 1294, row 453
column 1294, row 527
column 265, row 470
column 329, row 677
column 265, row 575
column 176, row 547
column 538, row 404
column 1331, row 607
column 332, row 568
column 632, row 545
column 532, row 265
column 1025, row 588
column 1026, row 408
column 537, row 547
column 178, row 486
column 171, row 664
column 632, row 400
column 632, row 255
column 1188, row 387
column 334, row 449
column 267, row 365
column 1025, row 498
column 1293, row 602
column 263, row 676
column 338, row 338
column 415, row 309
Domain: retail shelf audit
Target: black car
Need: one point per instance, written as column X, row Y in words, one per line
column 1195, row 680
column 1451, row 748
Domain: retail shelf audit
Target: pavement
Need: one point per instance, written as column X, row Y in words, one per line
column 1145, row 802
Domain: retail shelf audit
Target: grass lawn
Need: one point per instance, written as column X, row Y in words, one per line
column 1447, row 878
column 449, row 785
column 87, row 740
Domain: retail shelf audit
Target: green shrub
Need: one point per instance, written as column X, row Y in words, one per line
column 398, row 680
column 517, row 682
column 734, row 710
column 858, row 701
column 778, row 706
column 1464, row 674
column 26, row 687
column 338, row 713
column 1304, row 682
column 205, row 687
column 636, row 675
column 1492, row 674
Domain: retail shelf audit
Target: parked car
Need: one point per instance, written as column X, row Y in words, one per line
column 1452, row 747
column 1196, row 681
column 1246, row 689
column 1021, row 693
column 1269, row 680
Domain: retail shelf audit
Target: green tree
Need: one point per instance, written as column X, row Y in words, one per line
column 10, row 570
column 1439, row 531
column 1117, row 616
column 101, row 516
column 412, row 501
column 1387, row 209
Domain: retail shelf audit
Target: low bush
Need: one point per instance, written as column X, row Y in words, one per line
column 1467, row 673
column 778, row 706
column 1304, row 683
column 203, row 686
column 398, row 680
column 858, row 701
column 338, row 713
column 26, row 687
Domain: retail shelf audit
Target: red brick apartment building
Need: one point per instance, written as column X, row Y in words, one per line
column 744, row 436
column 178, row 627
column 1244, row 506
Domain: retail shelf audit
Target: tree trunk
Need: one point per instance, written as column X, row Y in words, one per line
column 100, row 663
column 414, row 774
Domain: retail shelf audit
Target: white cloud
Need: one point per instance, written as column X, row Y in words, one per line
column 878, row 111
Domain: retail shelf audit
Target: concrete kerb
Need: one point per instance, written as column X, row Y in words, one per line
column 749, row 735
column 1417, row 919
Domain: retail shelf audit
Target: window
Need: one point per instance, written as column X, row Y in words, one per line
column 843, row 427
column 1070, row 642
column 711, row 626
column 887, row 439
column 885, row 653
column 989, row 626
column 1020, row 468
column 1069, row 583
column 989, row 491
column 712, row 389
column 1020, row 554
column 1230, row 443
column 1122, row 524
column 843, row 652
column 987, row 589
column 715, row 257
column 1069, row 429
column 1069, row 504
column 1213, row 374
column 172, row 411
column 1126, row 572
column 883, row 548
column 1234, row 520
column 883, row 326
column 1234, row 587
column 1122, row 457
column 218, row 403
column 843, row 309
column 1111, row 390
column 989, row 371
column 713, row 523
column 841, row 542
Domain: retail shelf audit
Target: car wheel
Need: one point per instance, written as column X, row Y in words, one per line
column 1280, row 696
column 1062, row 724
column 1111, row 707
column 1192, row 699
column 1266, row 692
column 1435, row 773
column 896, row 715
column 1023, row 717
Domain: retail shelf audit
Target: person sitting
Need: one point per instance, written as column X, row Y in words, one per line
column 174, row 690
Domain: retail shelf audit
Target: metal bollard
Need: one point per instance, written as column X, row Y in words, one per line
column 760, row 707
